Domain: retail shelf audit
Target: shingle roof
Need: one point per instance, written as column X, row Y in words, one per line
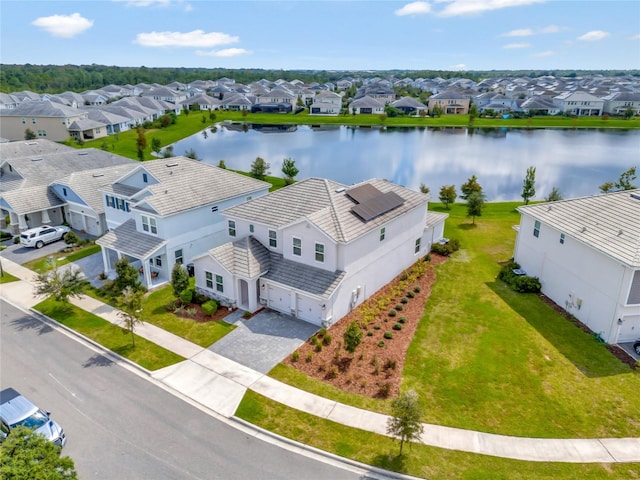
column 246, row 257
column 609, row 223
column 41, row 109
column 126, row 239
column 325, row 204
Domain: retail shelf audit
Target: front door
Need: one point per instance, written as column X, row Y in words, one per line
column 244, row 294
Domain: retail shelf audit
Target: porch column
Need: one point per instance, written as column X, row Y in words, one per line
column 22, row 222
column 105, row 260
column 45, row 217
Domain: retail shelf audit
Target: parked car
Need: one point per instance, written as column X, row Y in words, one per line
column 636, row 347
column 16, row 409
column 39, row 236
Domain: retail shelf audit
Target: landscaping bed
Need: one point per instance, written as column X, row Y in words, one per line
column 375, row 368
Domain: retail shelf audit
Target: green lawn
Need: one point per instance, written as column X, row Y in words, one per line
column 7, row 278
column 418, row 460
column 42, row 264
column 146, row 354
column 486, row 358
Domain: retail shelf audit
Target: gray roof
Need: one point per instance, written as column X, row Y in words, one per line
column 126, row 239
column 366, row 102
column 325, row 204
column 185, row 184
column 84, row 124
column 408, row 102
column 608, row 223
column 41, row 109
column 246, row 257
column 313, row 280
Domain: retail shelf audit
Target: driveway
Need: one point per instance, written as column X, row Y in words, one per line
column 628, row 347
column 264, row 340
column 21, row 255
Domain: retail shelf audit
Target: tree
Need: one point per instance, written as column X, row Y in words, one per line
column 606, row 187
column 259, row 168
column 448, row 195
column 529, row 185
column 475, row 204
column 71, row 239
column 24, row 454
column 191, row 153
column 141, row 140
column 470, row 187
column 222, row 165
column 289, row 169
column 352, row 337
column 61, row 284
column 130, row 304
column 156, row 145
column 127, row 276
column 424, row 189
column 404, row 423
column 179, row 279
column 168, row 152
column 29, row 134
column 554, row 195
column 626, row 179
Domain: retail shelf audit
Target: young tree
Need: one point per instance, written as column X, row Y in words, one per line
column 424, row 189
column 141, row 140
column 61, row 284
column 290, row 170
column 475, row 204
column 24, row 454
column 470, row 187
column 222, row 165
column 127, row 276
column 259, row 168
column 529, row 185
column 448, row 195
column 168, row 152
column 626, row 179
column 179, row 279
column 606, row 187
column 156, row 145
column 352, row 337
column 130, row 304
column 554, row 195
column 191, row 153
column 29, row 134
column 404, row 423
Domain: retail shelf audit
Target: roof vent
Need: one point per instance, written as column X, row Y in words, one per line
column 340, row 190
column 584, row 229
column 36, row 159
column 620, row 232
column 635, row 196
column 549, row 208
column 83, row 153
column 96, row 175
column 172, row 164
column 32, row 143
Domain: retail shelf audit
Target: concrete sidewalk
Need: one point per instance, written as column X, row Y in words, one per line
column 220, row 384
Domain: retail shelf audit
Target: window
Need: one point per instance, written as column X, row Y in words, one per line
column 120, row 204
column 382, row 233
column 297, row 246
column 209, row 279
column 24, row 120
column 417, row 249
column 214, row 209
column 250, row 228
column 232, row 228
column 145, row 178
column 319, row 252
column 64, row 191
column 536, row 229
column 562, row 239
column 273, row 239
column 219, row 284
column 149, row 224
column 158, row 261
column 178, row 254
column 33, row 120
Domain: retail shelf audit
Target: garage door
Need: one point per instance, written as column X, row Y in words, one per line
column 309, row 310
column 280, row 299
column 630, row 329
column 93, row 228
column 76, row 221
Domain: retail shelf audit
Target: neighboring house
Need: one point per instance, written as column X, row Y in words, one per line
column 46, row 119
column 169, row 210
column 8, row 101
column 450, row 102
column 236, row 102
column 366, row 104
column 113, row 122
column 409, row 105
column 579, row 103
column 201, row 102
column 31, row 172
column 618, row 103
column 326, row 103
column 586, row 253
column 87, row 129
column 317, row 249
column 165, row 94
column 380, row 91
column 540, row 105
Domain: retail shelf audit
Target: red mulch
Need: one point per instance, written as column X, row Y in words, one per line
column 374, row 371
column 200, row 317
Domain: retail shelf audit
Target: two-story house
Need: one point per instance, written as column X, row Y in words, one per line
column 168, row 211
column 579, row 103
column 586, row 253
column 317, row 249
column 326, row 103
column 45, row 119
column 450, row 102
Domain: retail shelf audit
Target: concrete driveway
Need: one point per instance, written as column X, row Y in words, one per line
column 264, row 340
column 628, row 347
column 21, row 255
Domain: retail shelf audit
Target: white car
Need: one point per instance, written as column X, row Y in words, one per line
column 39, row 236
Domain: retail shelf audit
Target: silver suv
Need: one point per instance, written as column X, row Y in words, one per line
column 18, row 410
column 39, row 236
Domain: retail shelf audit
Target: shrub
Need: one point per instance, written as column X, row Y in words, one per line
column 321, row 333
column 392, row 313
column 385, row 390
column 417, row 289
column 426, row 258
column 295, row 356
column 186, row 296
column 390, row 364
column 526, row 284
column 327, row 339
column 246, row 315
column 402, row 319
column 410, row 294
column 333, row 372
column 404, row 300
column 309, row 357
column 377, row 326
column 318, row 347
column 446, row 249
column 16, row 240
column 191, row 312
column 209, row 308
column 171, row 306
column 399, row 307
column 369, row 333
column 397, row 326
column 388, row 335
column 71, row 238
column 381, row 343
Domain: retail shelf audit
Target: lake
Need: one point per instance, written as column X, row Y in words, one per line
column 575, row 161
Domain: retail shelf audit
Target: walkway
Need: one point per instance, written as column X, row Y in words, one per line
column 219, row 384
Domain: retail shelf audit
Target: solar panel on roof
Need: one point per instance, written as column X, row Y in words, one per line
column 362, row 193
column 378, row 205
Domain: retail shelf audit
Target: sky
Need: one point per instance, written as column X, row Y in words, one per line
column 458, row 35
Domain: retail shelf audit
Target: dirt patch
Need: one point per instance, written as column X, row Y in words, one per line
column 193, row 312
column 375, row 369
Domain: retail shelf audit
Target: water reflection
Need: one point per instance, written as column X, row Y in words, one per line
column 575, row 161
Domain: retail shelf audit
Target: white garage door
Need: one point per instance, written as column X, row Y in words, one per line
column 309, row 310
column 280, row 299
column 630, row 329
column 76, row 221
column 93, row 227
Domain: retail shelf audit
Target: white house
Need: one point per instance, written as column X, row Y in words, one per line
column 169, row 210
column 317, row 249
column 579, row 103
column 586, row 253
column 326, row 103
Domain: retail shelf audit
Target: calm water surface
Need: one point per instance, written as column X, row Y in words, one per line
column 575, row 161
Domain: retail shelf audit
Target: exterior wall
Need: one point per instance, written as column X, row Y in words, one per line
column 586, row 283
column 309, row 236
column 115, row 216
column 205, row 264
column 55, row 129
column 80, row 217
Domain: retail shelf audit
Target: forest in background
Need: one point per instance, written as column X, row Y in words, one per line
column 78, row 78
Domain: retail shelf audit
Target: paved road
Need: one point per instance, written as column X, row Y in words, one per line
column 120, row 425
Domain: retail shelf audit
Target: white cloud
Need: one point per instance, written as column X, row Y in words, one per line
column 635, row 37
column 66, row 26
column 522, row 32
column 516, row 45
column 145, row 3
column 226, row 52
column 593, row 36
column 550, row 29
column 548, row 53
column 414, row 8
column 459, row 67
column 470, row 7
column 196, row 38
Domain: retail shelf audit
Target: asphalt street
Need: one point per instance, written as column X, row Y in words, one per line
column 119, row 425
